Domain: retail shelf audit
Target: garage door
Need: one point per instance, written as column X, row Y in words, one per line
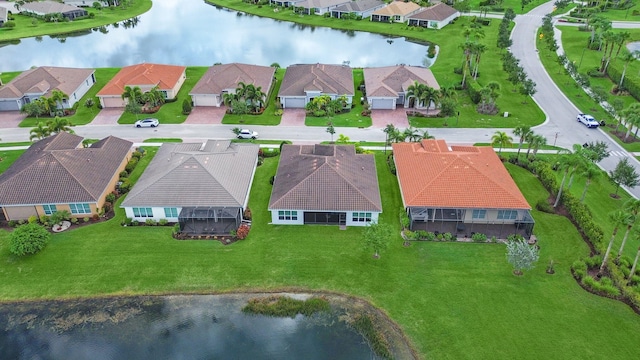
column 293, row 103
column 205, row 100
column 11, row 105
column 382, row 104
column 110, row 102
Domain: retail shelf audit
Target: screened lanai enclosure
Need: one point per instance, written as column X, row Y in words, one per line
column 209, row 220
column 466, row 222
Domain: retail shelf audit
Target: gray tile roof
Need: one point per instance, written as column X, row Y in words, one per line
column 227, row 76
column 57, row 170
column 359, row 5
column 190, row 174
column 309, row 4
column 325, row 178
column 328, row 79
column 389, row 81
column 437, row 12
column 45, row 79
column 48, row 7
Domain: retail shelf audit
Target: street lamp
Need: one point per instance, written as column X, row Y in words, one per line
column 457, row 118
column 554, row 139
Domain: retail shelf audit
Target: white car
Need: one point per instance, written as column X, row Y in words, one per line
column 149, row 122
column 588, row 121
column 247, row 134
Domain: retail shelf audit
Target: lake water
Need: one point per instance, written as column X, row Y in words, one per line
column 173, row 327
column 191, row 32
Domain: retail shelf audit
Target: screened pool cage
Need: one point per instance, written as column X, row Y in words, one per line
column 209, row 220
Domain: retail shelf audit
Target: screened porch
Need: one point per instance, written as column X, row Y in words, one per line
column 209, row 220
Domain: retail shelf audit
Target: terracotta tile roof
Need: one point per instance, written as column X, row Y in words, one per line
column 226, row 77
column 398, row 8
column 325, row 178
column 359, row 5
column 437, row 12
column 328, row 79
column 45, row 79
column 431, row 174
column 389, row 81
column 57, row 170
column 218, row 174
column 164, row 76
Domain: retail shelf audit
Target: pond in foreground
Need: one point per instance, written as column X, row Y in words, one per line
column 171, row 327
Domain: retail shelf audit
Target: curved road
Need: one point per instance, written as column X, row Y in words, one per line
column 560, row 128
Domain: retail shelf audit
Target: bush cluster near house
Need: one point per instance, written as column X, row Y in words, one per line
column 29, row 239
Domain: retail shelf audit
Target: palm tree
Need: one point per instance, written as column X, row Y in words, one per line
column 632, row 118
column 478, row 50
column 59, row 124
column 530, row 139
column 628, row 57
column 229, row 98
column 154, row 97
column 411, row 134
column 590, row 172
column 502, row 139
column 580, row 160
column 566, row 162
column 416, row 90
column 618, row 217
column 41, row 131
column 635, row 261
column 523, row 132
column 632, row 207
column 466, row 49
column 426, row 135
column 59, row 97
column 494, row 86
column 448, row 92
column 538, row 142
column 429, row 96
column 132, row 94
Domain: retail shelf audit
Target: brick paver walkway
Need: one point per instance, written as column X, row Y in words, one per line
column 293, row 117
column 107, row 116
column 397, row 117
column 206, row 115
column 11, row 119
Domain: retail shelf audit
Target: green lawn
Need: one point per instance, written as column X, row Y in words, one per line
column 268, row 117
column 171, row 112
column 162, row 140
column 83, row 114
column 516, row 5
column 19, row 143
column 8, row 157
column 437, row 292
column 25, row 28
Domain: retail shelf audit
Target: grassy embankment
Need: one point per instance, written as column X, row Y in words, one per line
column 25, row 26
column 454, row 300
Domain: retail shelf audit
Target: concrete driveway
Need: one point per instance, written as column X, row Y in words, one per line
column 206, row 115
column 108, row 116
column 11, row 119
column 397, row 117
column 293, row 117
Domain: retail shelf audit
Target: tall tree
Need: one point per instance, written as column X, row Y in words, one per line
column 59, row 124
column 39, row 132
column 635, row 261
column 566, row 162
column 501, row 139
column 331, row 130
column 590, row 172
column 429, row 96
column 632, row 208
column 132, row 94
column 521, row 255
column 59, row 97
column 618, row 217
column 377, row 237
column 522, row 132
column 416, row 90
column 628, row 57
column 623, row 174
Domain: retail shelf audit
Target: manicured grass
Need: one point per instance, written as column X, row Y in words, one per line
column 258, row 141
column 8, row 76
column 268, row 117
column 25, row 28
column 8, row 157
column 516, row 5
column 20, row 143
column 435, row 291
column 162, row 140
column 524, row 146
column 449, row 57
column 83, row 114
column 622, row 15
column 171, row 112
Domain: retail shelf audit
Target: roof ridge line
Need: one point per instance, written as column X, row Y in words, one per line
column 354, row 186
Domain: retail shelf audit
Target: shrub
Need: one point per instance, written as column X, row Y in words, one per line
column 74, row 220
column 272, row 179
column 429, row 236
column 593, row 261
column 479, row 237
column 123, row 174
column 269, row 152
column 125, row 187
column 28, row 239
column 137, row 154
column 448, row 237
column 86, row 219
column 579, row 269
column 150, row 222
column 247, row 214
column 473, row 88
column 186, row 107
column 44, row 220
column 176, row 228
column 404, row 219
column 13, row 223
column 111, row 197
column 242, row 232
column 32, row 219
column 131, row 164
column 543, row 205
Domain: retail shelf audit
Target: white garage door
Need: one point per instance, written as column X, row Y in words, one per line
column 382, row 104
column 11, row 105
column 293, row 103
column 205, row 100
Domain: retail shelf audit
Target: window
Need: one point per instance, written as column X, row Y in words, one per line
column 171, row 212
column 287, row 215
column 142, row 212
column 49, row 209
column 507, row 214
column 80, row 208
column 479, row 214
column 361, row 217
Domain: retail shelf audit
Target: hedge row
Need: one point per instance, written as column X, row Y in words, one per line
column 473, row 88
column 630, row 84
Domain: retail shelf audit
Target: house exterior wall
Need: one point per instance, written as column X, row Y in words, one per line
column 275, row 218
column 19, row 212
column 174, row 91
column 75, row 96
column 158, row 214
column 114, row 180
column 23, row 212
column 491, row 216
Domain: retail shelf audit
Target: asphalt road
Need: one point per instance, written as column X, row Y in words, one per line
column 560, row 127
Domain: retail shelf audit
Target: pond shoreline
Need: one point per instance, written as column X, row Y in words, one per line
column 118, row 308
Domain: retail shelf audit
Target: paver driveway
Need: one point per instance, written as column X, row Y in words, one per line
column 11, row 119
column 397, row 117
column 206, row 115
column 107, row 116
column 293, row 117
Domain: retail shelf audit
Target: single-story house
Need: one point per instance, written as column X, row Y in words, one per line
column 224, row 79
column 325, row 184
column 42, row 8
column 361, row 8
column 4, row 15
column 303, row 82
column 204, row 187
column 284, row 3
column 86, row 3
column 387, row 87
column 319, row 7
column 434, row 17
column 396, row 11
column 460, row 190
column 42, row 81
column 57, row 173
column 168, row 78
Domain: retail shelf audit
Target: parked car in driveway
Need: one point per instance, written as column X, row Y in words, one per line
column 148, row 122
column 588, row 121
column 247, row 134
